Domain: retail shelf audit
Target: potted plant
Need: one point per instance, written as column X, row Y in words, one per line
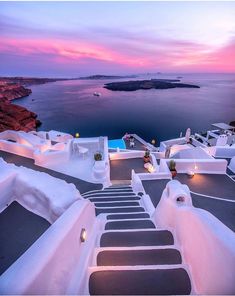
column 147, row 156
column 98, row 156
column 172, row 168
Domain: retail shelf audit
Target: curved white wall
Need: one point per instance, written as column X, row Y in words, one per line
column 208, row 245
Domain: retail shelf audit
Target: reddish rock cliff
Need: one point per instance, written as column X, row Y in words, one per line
column 12, row 116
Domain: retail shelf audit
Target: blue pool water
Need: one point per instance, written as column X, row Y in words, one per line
column 120, row 143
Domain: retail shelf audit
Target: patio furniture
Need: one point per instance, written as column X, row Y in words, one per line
column 82, row 151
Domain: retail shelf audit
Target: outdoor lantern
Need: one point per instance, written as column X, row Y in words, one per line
column 83, row 235
column 190, row 174
column 77, row 135
column 153, row 142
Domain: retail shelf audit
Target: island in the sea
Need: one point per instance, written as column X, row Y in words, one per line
column 133, row 85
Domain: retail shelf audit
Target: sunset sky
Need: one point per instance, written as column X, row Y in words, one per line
column 81, row 38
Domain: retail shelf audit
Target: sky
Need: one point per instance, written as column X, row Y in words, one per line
column 71, row 39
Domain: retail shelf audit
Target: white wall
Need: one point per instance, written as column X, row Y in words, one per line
column 204, row 166
column 225, row 152
column 16, row 148
column 47, row 157
column 165, row 144
column 126, row 155
column 38, row 192
column 7, row 183
column 207, row 244
column 49, row 265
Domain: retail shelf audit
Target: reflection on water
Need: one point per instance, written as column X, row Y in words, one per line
column 70, row 106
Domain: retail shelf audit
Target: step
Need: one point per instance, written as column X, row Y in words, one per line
column 119, row 210
column 121, row 198
column 127, row 216
column 136, row 238
column 120, row 186
column 106, row 192
column 131, row 224
column 139, row 257
column 103, row 194
column 117, row 204
column 118, row 189
column 140, row 282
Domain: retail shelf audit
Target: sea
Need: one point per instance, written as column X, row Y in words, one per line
column 70, row 106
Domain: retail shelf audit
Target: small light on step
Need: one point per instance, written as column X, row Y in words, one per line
column 83, row 235
column 191, row 174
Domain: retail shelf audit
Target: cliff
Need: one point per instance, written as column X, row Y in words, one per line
column 12, row 116
column 147, row 84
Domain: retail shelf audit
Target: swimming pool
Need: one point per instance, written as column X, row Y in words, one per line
column 117, row 143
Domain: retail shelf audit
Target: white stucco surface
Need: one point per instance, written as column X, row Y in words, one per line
column 207, row 244
column 57, row 263
column 38, row 192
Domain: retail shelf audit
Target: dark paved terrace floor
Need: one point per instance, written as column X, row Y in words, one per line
column 213, row 185
column 81, row 185
column 121, row 169
column 154, row 189
column 138, row 145
column 223, row 210
column 19, row 229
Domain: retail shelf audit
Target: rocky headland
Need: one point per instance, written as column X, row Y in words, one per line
column 133, row 85
column 12, row 116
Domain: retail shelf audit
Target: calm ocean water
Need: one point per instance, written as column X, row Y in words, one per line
column 70, row 106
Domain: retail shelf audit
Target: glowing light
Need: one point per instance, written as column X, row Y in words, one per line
column 77, row 135
column 153, row 141
column 83, row 235
column 191, row 174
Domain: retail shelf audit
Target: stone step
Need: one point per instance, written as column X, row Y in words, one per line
column 117, row 204
column 131, row 224
column 119, row 210
column 118, row 189
column 106, row 191
column 173, row 281
column 136, row 238
column 103, row 194
column 127, row 216
column 121, row 198
column 139, row 257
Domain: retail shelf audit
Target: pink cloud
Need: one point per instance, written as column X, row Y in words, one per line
column 145, row 54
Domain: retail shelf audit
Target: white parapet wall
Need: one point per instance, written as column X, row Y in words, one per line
column 126, row 155
column 222, row 151
column 207, row 245
column 165, row 144
column 58, row 261
column 201, row 166
column 22, row 143
column 38, row 192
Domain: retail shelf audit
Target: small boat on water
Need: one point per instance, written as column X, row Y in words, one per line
column 97, row 94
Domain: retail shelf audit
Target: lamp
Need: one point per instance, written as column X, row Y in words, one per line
column 191, row 174
column 77, row 135
column 83, row 235
column 153, row 141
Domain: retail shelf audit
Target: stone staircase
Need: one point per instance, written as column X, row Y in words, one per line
column 134, row 257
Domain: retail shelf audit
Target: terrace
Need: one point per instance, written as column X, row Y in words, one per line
column 120, row 169
column 81, row 185
column 19, row 229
